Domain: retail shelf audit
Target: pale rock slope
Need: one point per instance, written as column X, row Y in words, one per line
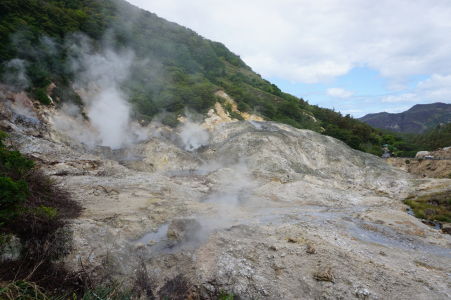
column 263, row 210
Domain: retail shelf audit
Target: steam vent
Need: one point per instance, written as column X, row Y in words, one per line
column 140, row 160
column 239, row 206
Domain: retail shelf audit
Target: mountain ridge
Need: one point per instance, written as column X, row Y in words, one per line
column 418, row 119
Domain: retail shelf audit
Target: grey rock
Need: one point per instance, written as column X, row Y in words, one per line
column 241, row 197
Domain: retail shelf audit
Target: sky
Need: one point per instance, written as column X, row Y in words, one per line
column 355, row 56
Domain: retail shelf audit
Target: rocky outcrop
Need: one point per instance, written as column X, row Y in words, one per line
column 243, row 212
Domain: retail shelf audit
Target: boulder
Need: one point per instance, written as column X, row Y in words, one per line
column 422, row 154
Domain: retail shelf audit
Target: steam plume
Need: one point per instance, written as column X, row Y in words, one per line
column 193, row 136
column 99, row 76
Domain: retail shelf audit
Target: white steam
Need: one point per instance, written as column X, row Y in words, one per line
column 235, row 186
column 23, row 106
column 15, row 74
column 99, row 76
column 106, row 107
column 193, row 136
column 69, row 120
column 109, row 114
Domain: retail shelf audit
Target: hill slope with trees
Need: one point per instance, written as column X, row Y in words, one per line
column 174, row 68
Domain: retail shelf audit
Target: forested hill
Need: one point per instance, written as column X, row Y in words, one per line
column 173, row 68
column 418, row 119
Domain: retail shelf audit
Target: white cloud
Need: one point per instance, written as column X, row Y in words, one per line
column 352, row 112
column 339, row 93
column 315, row 41
column 436, row 82
column 407, row 97
column 437, row 88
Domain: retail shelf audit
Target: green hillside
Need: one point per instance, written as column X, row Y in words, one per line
column 175, row 68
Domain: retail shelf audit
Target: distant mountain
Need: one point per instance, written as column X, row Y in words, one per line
column 417, row 119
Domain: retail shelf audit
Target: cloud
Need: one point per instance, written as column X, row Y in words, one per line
column 436, row 88
column 407, row 97
column 339, row 93
column 316, row 41
column 352, row 111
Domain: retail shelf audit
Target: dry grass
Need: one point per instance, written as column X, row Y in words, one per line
column 21, row 290
column 324, row 275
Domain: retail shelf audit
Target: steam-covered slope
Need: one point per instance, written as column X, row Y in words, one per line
column 173, row 68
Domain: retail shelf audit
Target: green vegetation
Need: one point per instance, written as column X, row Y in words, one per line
column 12, row 195
column 175, row 68
column 226, row 296
column 25, row 290
column 25, row 193
column 41, row 95
column 432, row 207
column 407, row 145
column 438, row 137
column 14, row 189
column 33, row 210
column 22, row 290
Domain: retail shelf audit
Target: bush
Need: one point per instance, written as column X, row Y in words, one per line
column 13, row 164
column 170, row 119
column 41, row 95
column 433, row 207
column 35, row 210
column 235, row 115
column 22, row 290
column 12, row 195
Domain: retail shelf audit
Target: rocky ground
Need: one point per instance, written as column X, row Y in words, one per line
column 261, row 209
column 435, row 168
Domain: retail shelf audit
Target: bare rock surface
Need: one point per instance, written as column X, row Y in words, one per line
column 264, row 211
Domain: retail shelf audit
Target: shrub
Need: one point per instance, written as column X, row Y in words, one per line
column 14, row 164
column 433, row 207
column 22, row 290
column 226, row 296
column 46, row 212
column 35, row 210
column 12, row 195
column 235, row 115
column 41, row 95
column 170, row 119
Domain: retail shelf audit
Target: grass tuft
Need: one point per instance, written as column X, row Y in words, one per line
column 432, row 207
